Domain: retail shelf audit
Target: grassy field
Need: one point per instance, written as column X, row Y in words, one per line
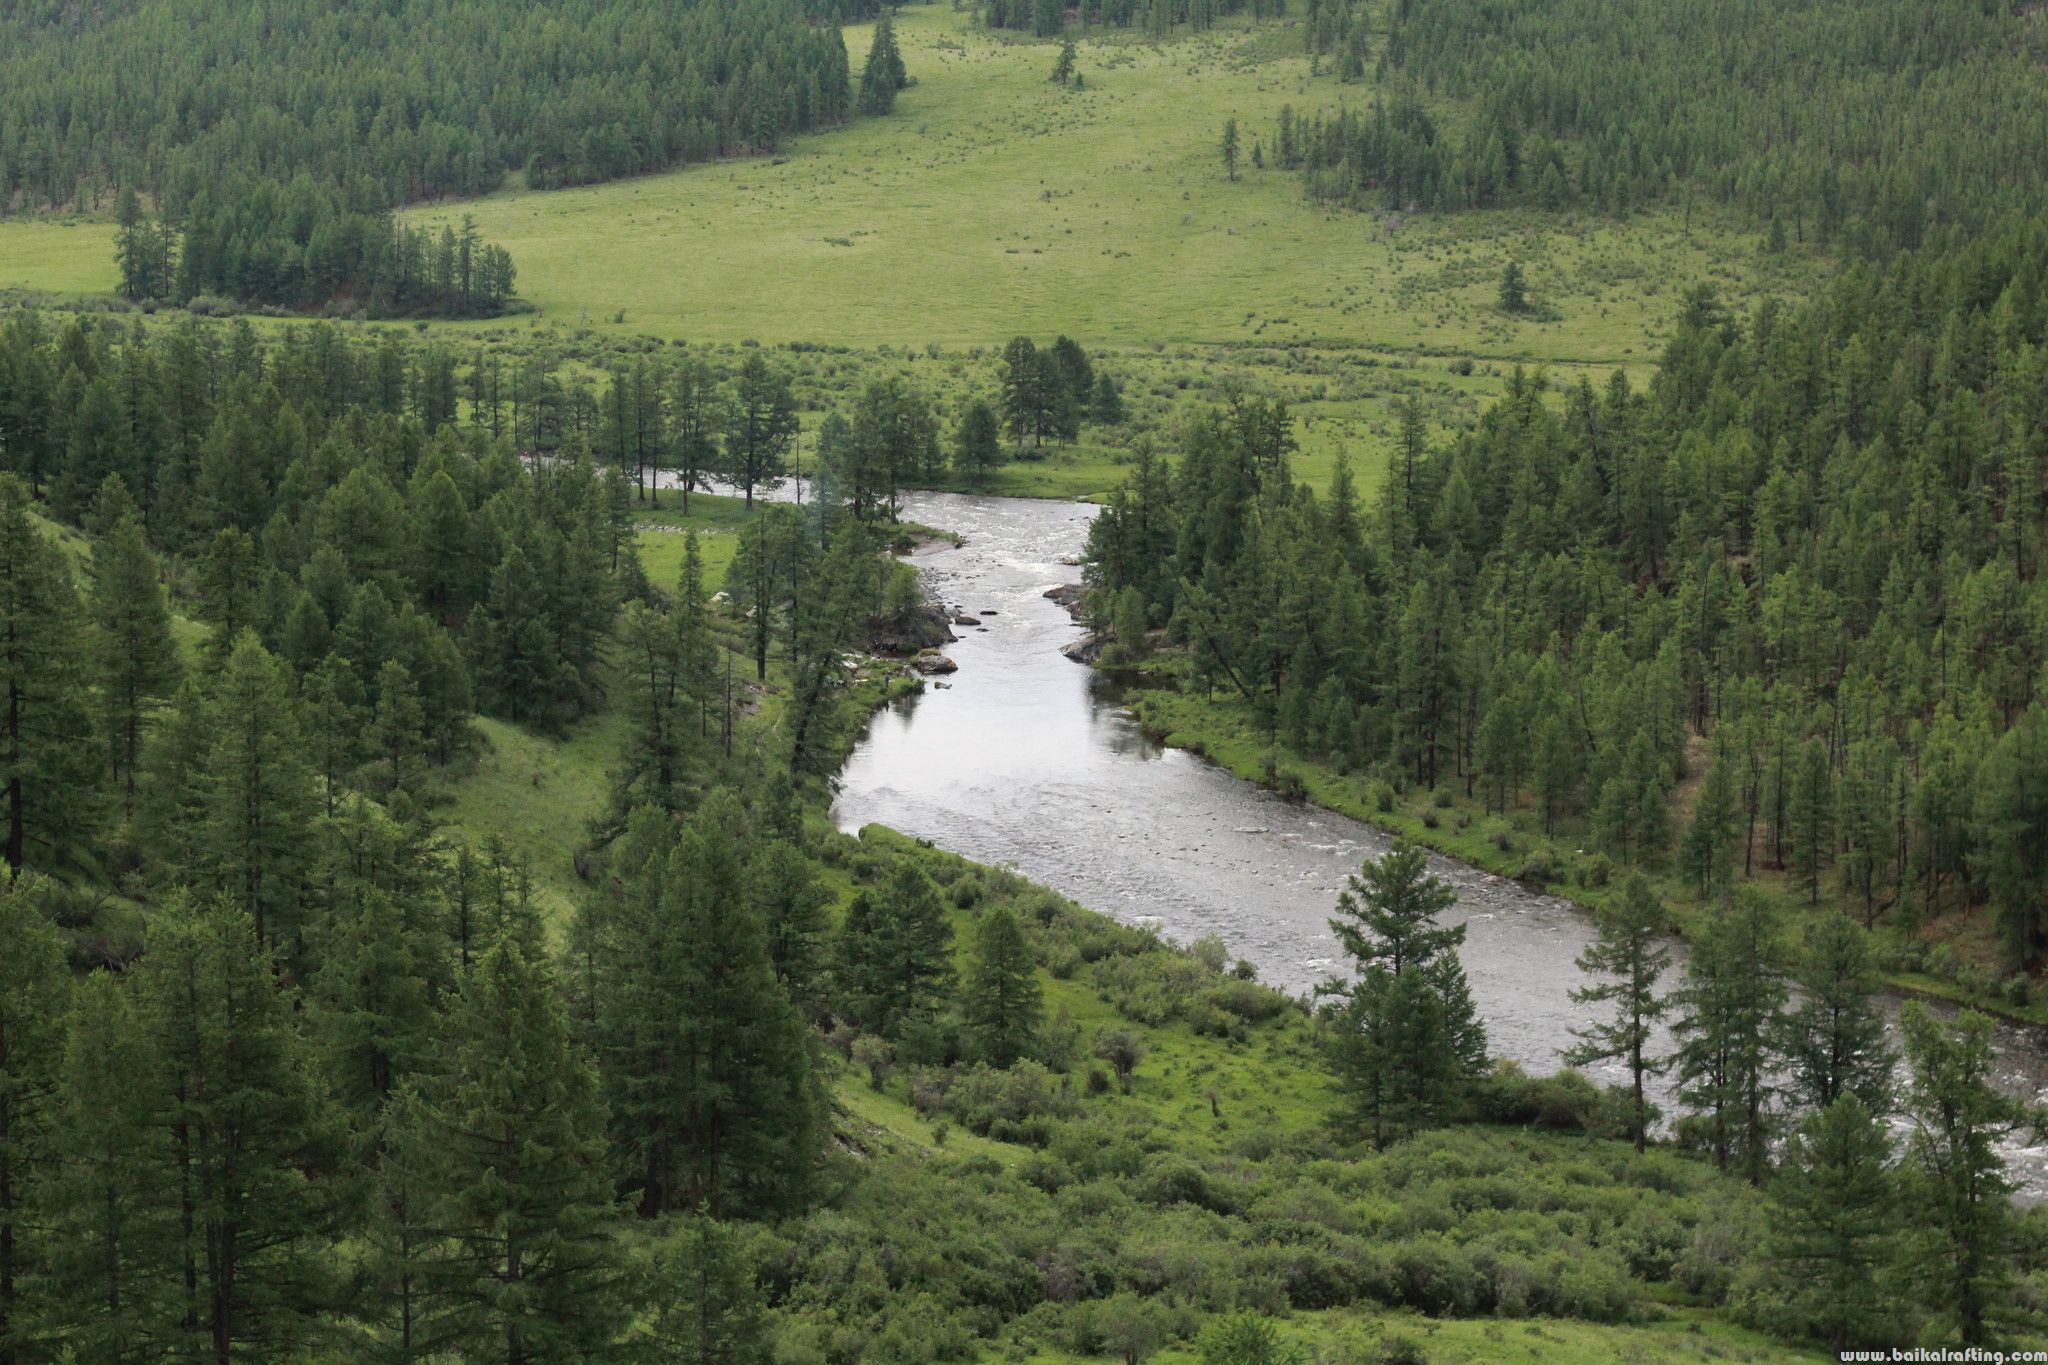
column 994, row 202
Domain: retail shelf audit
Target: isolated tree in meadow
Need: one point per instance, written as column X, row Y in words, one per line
column 1123, row 1050
column 1833, row 1236
column 1063, row 68
column 1406, row 1041
column 1106, row 403
column 1230, row 148
column 1629, row 949
column 1002, row 1001
column 1514, row 290
column 883, row 75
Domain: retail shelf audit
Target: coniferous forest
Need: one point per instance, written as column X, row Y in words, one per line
column 1872, row 126
column 445, row 916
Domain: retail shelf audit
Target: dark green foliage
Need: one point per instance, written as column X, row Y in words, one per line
column 250, row 1138
column 31, row 1043
column 1728, row 1024
column 510, row 1127
column 51, row 760
column 1002, row 1002
column 1835, row 1042
column 1607, row 106
column 1514, row 291
column 704, row 1057
column 1630, row 948
column 1956, row 1188
column 278, row 199
column 761, row 427
column 882, row 75
column 977, row 442
column 304, row 244
column 707, row 1307
column 111, row 1218
column 135, row 662
column 792, row 900
column 894, row 953
column 1406, row 1041
column 1559, row 601
column 1834, row 1233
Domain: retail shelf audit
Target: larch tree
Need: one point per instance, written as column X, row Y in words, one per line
column 1834, row 1237
column 1002, row 1003
column 1728, row 1024
column 106, row 1197
column 1835, row 1041
column 524, row 1268
column 32, row 987
column 135, row 661
column 252, row 1140
column 1630, row 950
column 51, row 760
column 1955, row 1183
column 1406, row 1041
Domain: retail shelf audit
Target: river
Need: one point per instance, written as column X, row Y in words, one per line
column 1029, row 760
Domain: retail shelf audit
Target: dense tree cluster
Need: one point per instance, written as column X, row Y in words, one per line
column 1048, row 18
column 300, row 246
column 397, row 103
column 1806, row 561
column 1898, row 122
column 361, row 1106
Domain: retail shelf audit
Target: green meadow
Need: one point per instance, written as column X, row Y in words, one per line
column 995, row 202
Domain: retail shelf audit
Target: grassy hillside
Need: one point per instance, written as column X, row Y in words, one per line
column 994, row 202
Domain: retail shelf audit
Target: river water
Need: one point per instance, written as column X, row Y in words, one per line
column 1030, row 760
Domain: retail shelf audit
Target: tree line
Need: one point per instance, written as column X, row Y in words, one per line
column 300, row 247
column 1802, row 567
column 391, row 106
column 1158, row 18
column 1900, row 124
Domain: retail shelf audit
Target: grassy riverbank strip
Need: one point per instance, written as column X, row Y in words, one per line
column 1222, row 731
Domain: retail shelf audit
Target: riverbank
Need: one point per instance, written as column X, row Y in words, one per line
column 1219, row 730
